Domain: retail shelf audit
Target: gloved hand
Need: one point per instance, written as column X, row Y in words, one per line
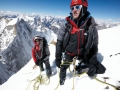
column 41, row 61
column 92, row 70
column 37, row 63
column 58, row 62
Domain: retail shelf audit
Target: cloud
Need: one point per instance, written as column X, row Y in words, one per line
column 33, row 13
column 10, row 12
column 58, row 16
column 1, row 11
column 104, row 20
column 109, row 19
column 36, row 13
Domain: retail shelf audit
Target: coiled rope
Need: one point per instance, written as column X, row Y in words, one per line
column 39, row 80
column 74, row 61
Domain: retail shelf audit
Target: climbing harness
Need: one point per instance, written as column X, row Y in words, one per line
column 74, row 61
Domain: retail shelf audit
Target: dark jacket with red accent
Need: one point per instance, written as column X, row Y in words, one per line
column 41, row 52
column 81, row 39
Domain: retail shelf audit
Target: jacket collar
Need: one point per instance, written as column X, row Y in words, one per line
column 83, row 19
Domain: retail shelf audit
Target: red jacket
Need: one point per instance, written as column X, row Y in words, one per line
column 34, row 50
column 33, row 54
column 42, row 51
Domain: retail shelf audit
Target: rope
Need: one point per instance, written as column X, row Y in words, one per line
column 67, row 63
column 74, row 61
column 115, row 87
column 58, row 79
column 39, row 80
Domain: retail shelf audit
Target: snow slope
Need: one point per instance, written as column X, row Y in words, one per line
column 2, row 24
column 16, row 35
column 108, row 45
column 109, row 41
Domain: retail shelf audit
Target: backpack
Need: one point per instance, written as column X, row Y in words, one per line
column 43, row 49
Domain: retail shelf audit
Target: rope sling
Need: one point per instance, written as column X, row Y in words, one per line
column 43, row 79
column 74, row 61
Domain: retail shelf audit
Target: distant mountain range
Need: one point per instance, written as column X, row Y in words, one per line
column 102, row 24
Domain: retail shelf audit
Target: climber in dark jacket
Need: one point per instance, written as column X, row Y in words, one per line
column 78, row 38
column 41, row 53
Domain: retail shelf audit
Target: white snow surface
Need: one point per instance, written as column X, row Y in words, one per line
column 13, row 21
column 2, row 24
column 109, row 44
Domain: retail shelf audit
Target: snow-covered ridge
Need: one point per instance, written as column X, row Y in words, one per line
column 106, row 24
column 14, row 38
column 40, row 24
column 102, row 24
column 107, row 46
column 16, row 34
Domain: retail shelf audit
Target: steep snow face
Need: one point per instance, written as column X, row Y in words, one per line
column 16, row 48
column 82, row 82
column 16, row 42
column 12, row 22
column 8, row 32
column 16, row 34
column 2, row 24
column 7, row 36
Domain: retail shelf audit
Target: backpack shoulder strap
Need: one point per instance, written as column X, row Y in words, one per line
column 34, row 47
column 91, row 23
column 44, row 42
column 88, row 23
column 68, row 26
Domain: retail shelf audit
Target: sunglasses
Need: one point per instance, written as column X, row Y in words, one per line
column 37, row 40
column 77, row 7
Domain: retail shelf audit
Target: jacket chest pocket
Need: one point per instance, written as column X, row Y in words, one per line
column 82, row 36
column 85, row 36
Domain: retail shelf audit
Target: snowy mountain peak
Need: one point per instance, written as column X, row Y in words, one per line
column 2, row 24
column 17, row 32
column 29, row 75
column 16, row 36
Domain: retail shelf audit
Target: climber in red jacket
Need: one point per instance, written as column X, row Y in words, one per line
column 41, row 53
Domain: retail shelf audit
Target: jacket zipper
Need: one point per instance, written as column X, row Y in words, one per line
column 82, row 36
column 79, row 42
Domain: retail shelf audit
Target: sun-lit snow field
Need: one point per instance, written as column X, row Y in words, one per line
column 109, row 44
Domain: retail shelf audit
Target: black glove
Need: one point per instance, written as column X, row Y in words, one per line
column 37, row 63
column 58, row 62
column 92, row 70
